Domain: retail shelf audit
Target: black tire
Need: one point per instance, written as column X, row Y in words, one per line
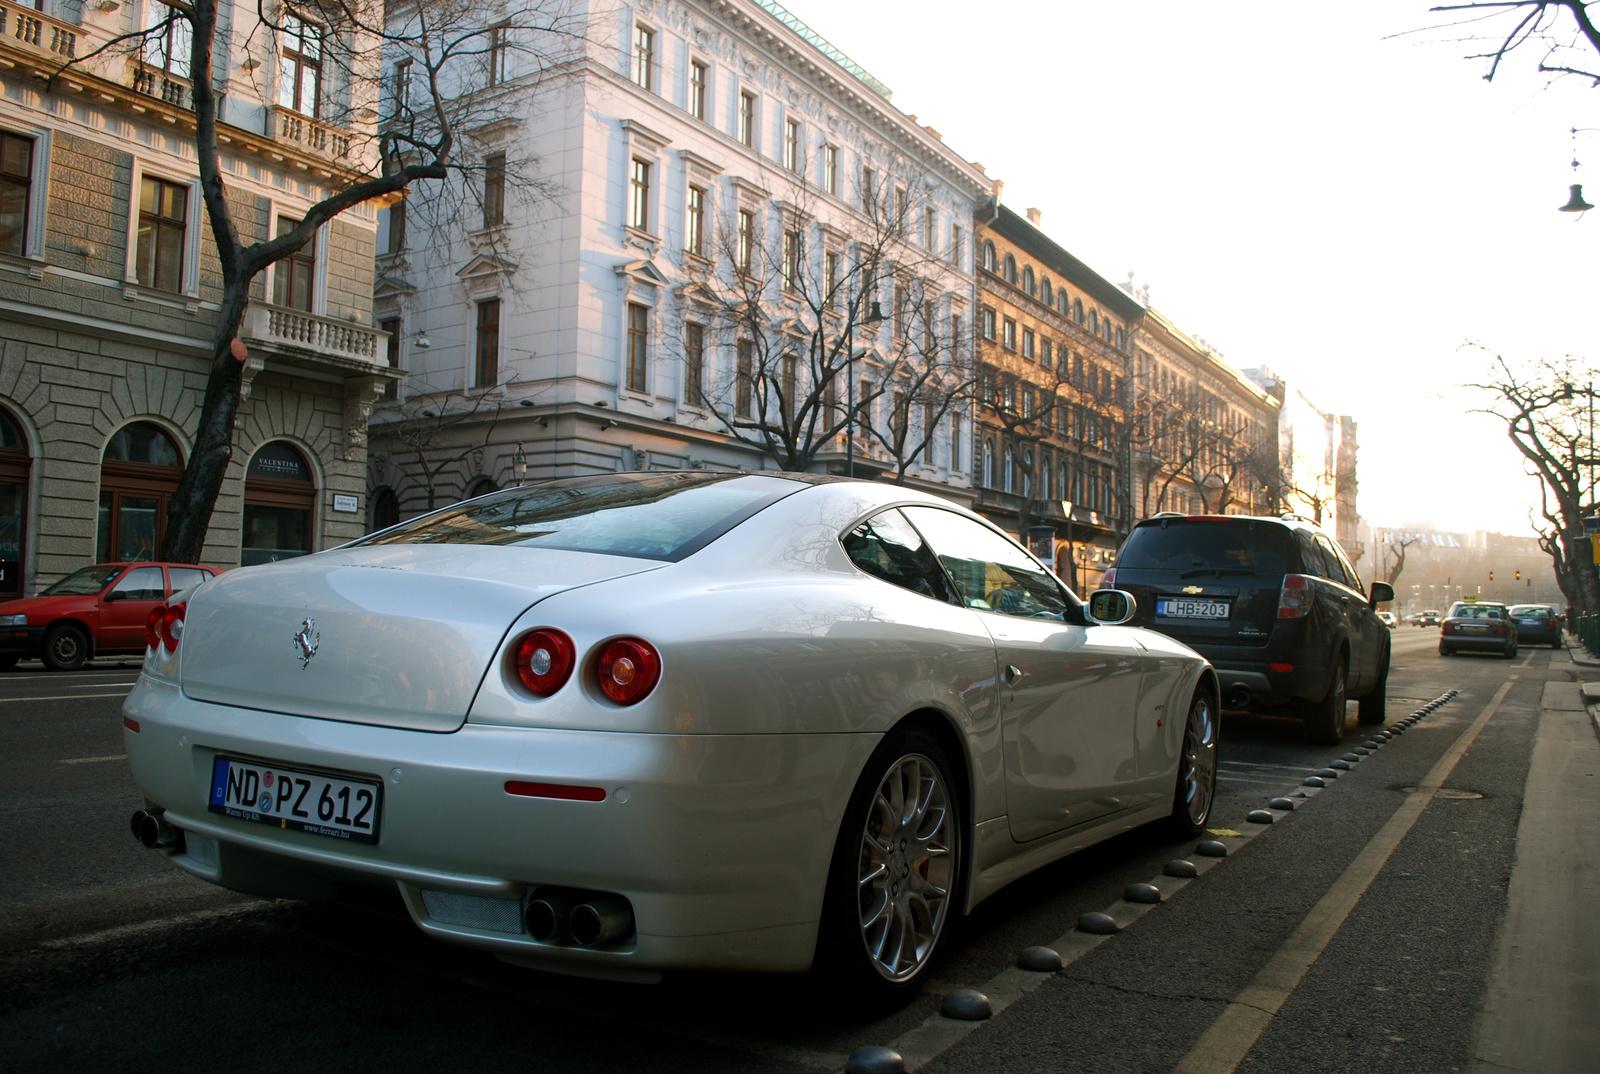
column 1511, row 653
column 1373, row 709
column 1323, row 722
column 8, row 661
column 1196, row 789
column 1446, row 652
column 66, row 648
column 844, row 940
column 1557, row 643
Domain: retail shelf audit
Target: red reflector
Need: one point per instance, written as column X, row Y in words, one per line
column 1281, row 667
column 555, row 790
column 131, row 724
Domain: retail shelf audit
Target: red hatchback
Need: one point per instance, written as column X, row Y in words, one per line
column 93, row 611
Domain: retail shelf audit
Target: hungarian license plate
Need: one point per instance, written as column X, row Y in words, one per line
column 1192, row 609
column 1475, row 630
column 289, row 798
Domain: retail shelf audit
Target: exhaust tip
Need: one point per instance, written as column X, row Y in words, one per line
column 1237, row 697
column 153, row 831
column 601, row 920
column 547, row 916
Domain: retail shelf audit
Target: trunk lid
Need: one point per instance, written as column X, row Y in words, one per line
column 1208, row 580
column 403, row 634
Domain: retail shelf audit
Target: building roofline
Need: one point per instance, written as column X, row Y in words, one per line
column 1008, row 224
column 1155, row 318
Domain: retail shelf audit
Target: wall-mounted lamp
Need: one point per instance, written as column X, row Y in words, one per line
column 519, row 465
column 422, row 341
column 524, row 402
column 544, row 423
column 107, row 6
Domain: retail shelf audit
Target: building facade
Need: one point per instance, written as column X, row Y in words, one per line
column 729, row 249
column 1316, row 464
column 109, row 287
column 1053, row 359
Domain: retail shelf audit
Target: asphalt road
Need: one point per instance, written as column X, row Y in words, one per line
column 112, row 959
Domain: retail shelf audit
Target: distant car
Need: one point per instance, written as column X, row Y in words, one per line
column 1273, row 603
column 1478, row 627
column 94, row 611
column 1388, row 619
column 1428, row 618
column 1537, row 624
column 665, row 721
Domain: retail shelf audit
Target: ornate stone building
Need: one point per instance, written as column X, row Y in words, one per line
column 109, row 283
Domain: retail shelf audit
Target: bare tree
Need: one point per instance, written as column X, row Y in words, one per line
column 436, row 432
column 1561, row 31
column 454, row 54
column 1549, row 416
column 1396, row 547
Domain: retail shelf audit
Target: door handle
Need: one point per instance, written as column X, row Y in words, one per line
column 1013, row 674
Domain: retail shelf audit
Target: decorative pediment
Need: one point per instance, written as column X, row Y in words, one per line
column 485, row 265
column 697, row 294
column 639, row 134
column 643, row 271
column 696, row 163
column 748, row 189
column 388, row 286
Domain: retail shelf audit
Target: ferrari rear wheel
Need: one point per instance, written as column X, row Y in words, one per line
column 1197, row 768
column 893, row 884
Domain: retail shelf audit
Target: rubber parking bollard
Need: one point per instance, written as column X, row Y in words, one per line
column 1183, row 869
column 1099, row 924
column 875, row 1059
column 1212, row 848
column 1260, row 816
column 1314, row 781
column 1282, row 803
column 966, row 1005
column 1039, row 960
column 1146, row 893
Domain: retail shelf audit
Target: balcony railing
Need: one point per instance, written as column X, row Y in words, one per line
column 39, row 33
column 307, row 335
column 163, row 85
column 284, row 125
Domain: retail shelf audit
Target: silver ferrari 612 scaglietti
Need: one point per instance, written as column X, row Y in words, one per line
column 623, row 724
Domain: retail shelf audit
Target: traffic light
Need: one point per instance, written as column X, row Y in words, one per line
column 1491, row 576
column 1519, row 576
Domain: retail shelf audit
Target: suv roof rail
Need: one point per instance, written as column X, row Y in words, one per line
column 1169, row 514
column 1290, row 516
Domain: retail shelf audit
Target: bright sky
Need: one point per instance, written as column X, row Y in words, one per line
column 1298, row 186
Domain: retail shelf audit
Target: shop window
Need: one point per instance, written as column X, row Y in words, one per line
column 14, row 465
column 139, row 471
column 279, row 497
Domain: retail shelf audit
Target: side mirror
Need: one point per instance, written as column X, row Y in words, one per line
column 1382, row 592
column 1111, row 607
column 116, row 594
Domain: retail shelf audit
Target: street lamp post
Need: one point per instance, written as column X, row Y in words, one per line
column 873, row 317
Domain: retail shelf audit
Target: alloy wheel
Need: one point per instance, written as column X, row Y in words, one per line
column 1200, row 760
column 906, row 867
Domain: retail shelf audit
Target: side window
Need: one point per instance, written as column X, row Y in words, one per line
column 887, row 547
column 1311, row 554
column 991, row 573
column 184, row 577
column 1349, row 568
column 142, row 583
column 1335, row 561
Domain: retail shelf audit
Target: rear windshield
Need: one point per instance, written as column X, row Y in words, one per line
column 1181, row 544
column 85, row 581
column 652, row 516
column 1532, row 609
column 1477, row 611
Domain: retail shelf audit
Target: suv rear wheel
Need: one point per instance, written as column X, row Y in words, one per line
column 1323, row 721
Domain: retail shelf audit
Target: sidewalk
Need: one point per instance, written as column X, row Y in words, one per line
column 1544, row 985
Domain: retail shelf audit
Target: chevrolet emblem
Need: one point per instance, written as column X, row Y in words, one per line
column 1194, row 590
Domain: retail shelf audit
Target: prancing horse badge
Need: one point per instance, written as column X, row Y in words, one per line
column 305, row 641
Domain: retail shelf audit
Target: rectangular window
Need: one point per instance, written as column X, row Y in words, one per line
column 832, row 294
column 292, row 277
column 743, row 371
column 638, row 337
column 956, row 342
column 746, row 241
column 902, row 210
column 391, row 326
column 1027, row 343
column 639, row 196
column 694, row 363
column 695, row 223
column 16, row 191
column 486, row 370
column 499, row 50
column 1008, row 334
column 830, row 169
column 300, row 66
column 955, row 441
column 163, row 230
column 930, row 335
column 869, row 191
column 986, row 322
column 902, row 311
column 644, row 56
column 792, row 157
column 697, row 89
column 791, row 381
column 1045, row 356
column 747, row 117
column 494, row 190
column 400, row 86
column 168, row 38
column 955, row 245
column 791, row 260
column 929, row 235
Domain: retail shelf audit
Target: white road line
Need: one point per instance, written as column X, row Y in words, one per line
column 94, row 760
column 1227, row 777
column 103, row 685
column 60, row 697
column 89, row 939
column 1274, row 767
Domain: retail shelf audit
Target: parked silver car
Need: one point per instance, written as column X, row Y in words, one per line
column 637, row 722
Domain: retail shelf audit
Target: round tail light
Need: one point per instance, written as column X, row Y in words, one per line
column 172, row 626
column 629, row 669
column 544, row 660
column 152, row 626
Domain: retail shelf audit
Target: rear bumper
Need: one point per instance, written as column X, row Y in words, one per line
column 1266, row 686
column 1477, row 643
column 721, row 843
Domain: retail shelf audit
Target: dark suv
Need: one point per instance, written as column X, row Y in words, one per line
column 1273, row 604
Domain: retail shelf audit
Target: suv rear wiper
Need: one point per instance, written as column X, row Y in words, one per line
column 1218, row 571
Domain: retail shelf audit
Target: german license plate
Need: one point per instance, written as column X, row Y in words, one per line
column 1192, row 609
column 289, row 798
column 1475, row 630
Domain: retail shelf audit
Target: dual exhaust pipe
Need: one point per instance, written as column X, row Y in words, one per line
column 152, row 829
column 586, row 918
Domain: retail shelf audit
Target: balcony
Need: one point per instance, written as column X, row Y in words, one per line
column 162, row 85
column 310, row 135
column 295, row 337
column 50, row 40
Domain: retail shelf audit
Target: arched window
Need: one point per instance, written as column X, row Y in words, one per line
column 385, row 509
column 988, row 462
column 1044, row 475
column 1011, row 269
column 1027, row 279
column 139, row 470
column 1077, row 311
column 988, row 255
column 14, row 464
column 1094, row 321
column 481, row 487
column 1010, row 470
column 1046, row 294
column 1064, row 304
column 279, row 497
column 1025, row 482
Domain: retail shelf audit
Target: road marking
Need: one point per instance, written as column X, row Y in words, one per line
column 121, row 932
column 60, row 697
column 1262, row 764
column 1231, row 1036
column 103, row 685
column 94, row 760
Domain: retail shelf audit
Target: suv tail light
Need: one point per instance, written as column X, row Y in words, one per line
column 629, row 669
column 1294, row 599
column 544, row 660
column 171, row 625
